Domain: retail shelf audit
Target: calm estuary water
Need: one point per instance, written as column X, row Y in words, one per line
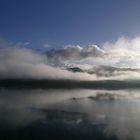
column 70, row 114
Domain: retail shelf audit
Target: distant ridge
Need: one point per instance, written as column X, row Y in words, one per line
column 67, row 84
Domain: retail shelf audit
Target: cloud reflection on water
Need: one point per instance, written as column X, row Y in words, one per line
column 116, row 111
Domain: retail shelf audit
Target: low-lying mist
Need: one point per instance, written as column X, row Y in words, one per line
column 26, row 63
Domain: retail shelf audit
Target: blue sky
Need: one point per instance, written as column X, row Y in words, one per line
column 61, row 22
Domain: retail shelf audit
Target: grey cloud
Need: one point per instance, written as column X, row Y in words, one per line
column 25, row 63
column 73, row 53
column 124, row 52
column 17, row 62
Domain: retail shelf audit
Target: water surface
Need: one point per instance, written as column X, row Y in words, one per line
column 70, row 114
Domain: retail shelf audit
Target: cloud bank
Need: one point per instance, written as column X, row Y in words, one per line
column 124, row 52
column 25, row 63
column 20, row 62
column 74, row 54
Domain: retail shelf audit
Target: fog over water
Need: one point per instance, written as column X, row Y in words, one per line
column 74, row 92
column 111, row 114
column 70, row 70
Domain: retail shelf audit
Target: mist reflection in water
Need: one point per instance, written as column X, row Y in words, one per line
column 80, row 113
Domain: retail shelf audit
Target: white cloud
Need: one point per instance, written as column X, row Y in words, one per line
column 26, row 43
column 124, row 52
column 23, row 43
column 72, row 54
column 24, row 63
column 46, row 45
column 17, row 62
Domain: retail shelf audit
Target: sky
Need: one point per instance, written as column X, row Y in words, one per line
column 43, row 38
column 41, row 24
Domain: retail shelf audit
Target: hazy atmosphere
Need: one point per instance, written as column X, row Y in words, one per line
column 70, row 69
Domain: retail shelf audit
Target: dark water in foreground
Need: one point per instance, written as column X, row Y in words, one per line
column 69, row 114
